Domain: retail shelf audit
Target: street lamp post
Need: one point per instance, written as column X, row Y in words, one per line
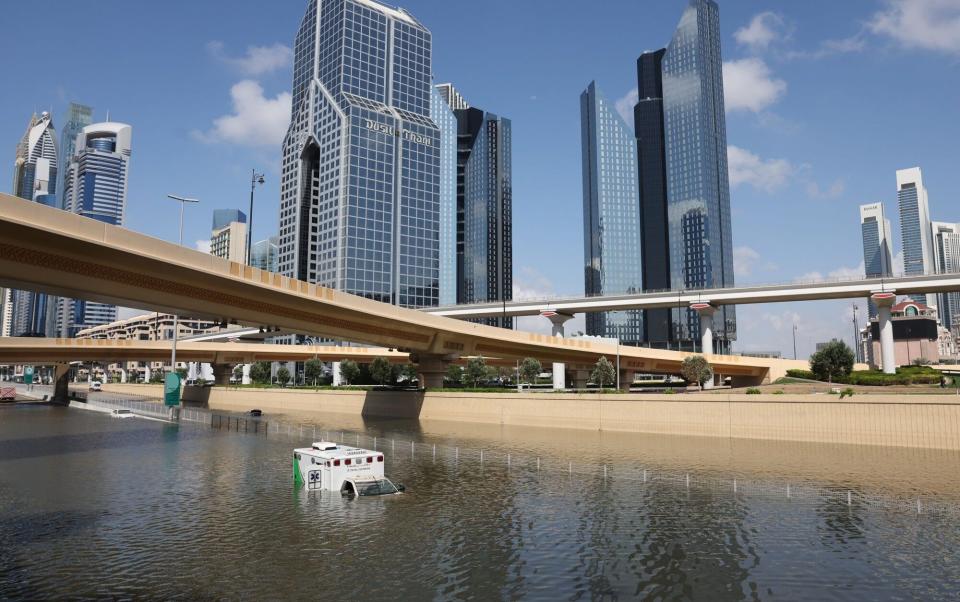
column 794, row 341
column 856, row 335
column 176, row 318
column 256, row 178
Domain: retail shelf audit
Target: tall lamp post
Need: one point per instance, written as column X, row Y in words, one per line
column 794, row 341
column 176, row 318
column 255, row 178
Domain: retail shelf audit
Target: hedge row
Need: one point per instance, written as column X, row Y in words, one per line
column 908, row 375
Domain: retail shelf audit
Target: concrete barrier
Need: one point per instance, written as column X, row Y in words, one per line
column 918, row 421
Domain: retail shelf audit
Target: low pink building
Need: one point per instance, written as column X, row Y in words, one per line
column 916, row 334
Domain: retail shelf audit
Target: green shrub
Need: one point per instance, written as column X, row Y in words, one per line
column 801, row 374
column 669, row 391
column 778, row 392
column 848, row 392
column 753, row 391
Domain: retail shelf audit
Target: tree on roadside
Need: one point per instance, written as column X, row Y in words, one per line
column 260, row 373
column 405, row 372
column 530, row 369
column 381, row 371
column 183, row 373
column 312, row 370
column 696, row 369
column 454, row 374
column 604, row 374
column 283, row 376
column 238, row 373
column 349, row 372
column 833, row 362
column 156, row 376
column 476, row 371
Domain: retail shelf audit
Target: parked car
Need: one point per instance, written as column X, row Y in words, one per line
column 96, row 385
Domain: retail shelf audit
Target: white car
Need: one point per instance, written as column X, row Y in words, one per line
column 96, row 385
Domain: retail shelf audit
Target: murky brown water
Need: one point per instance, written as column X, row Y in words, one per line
column 91, row 506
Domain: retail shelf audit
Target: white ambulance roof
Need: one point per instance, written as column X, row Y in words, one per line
column 333, row 451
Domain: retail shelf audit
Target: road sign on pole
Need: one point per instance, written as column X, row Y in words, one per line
column 28, row 375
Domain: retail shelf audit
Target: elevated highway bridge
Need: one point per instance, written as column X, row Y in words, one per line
column 56, row 252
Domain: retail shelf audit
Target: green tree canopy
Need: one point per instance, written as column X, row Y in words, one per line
column 696, row 369
column 260, row 373
column 530, row 369
column 406, row 372
column 349, row 371
column 283, row 376
column 476, row 371
column 833, row 362
column 454, row 374
column 381, row 371
column 604, row 374
column 312, row 371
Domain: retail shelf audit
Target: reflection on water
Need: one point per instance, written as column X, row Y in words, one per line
column 97, row 507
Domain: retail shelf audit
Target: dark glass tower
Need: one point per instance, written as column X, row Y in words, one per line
column 685, row 191
column 484, row 205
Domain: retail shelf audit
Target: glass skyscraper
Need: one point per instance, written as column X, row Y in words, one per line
column 685, row 191
column 95, row 186
column 484, row 205
column 263, row 255
column 446, row 120
column 34, row 179
column 78, row 117
column 611, row 215
column 224, row 217
column 360, row 189
column 915, row 227
column 877, row 244
column 946, row 245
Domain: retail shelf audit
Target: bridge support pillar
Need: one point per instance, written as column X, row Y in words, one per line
column 337, row 375
column 245, row 379
column 581, row 378
column 705, row 311
column 884, row 301
column 557, row 320
column 61, row 384
column 123, row 375
column 146, row 373
column 222, row 374
column 626, row 379
column 431, row 369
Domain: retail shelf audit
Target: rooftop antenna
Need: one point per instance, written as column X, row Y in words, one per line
column 108, row 115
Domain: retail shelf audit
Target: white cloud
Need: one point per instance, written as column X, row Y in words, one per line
column 124, row 313
column 840, row 273
column 749, row 85
column 763, row 29
column 854, row 43
column 256, row 119
column 923, row 24
column 898, row 264
column 625, row 105
column 835, row 190
column 763, row 174
column 258, row 59
column 202, row 245
column 746, row 262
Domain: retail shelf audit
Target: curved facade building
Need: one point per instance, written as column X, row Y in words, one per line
column 35, row 179
column 95, row 186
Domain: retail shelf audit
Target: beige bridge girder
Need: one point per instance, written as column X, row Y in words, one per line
column 60, row 253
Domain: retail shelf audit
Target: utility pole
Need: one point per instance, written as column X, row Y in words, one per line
column 856, row 335
column 794, row 340
column 176, row 317
column 256, row 178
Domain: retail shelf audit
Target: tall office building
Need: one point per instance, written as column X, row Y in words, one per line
column 685, row 191
column 484, row 205
column 877, row 244
column 263, row 254
column 611, row 215
column 78, row 117
column 35, row 179
column 946, row 246
column 95, row 186
column 360, row 189
column 6, row 312
column 915, row 228
column 443, row 115
column 228, row 237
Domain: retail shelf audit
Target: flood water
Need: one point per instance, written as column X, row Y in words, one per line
column 92, row 506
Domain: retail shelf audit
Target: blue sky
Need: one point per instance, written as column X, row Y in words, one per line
column 825, row 100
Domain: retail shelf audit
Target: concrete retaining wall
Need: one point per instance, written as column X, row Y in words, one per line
column 920, row 421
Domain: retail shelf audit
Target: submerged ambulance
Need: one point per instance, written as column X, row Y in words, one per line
column 352, row 471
